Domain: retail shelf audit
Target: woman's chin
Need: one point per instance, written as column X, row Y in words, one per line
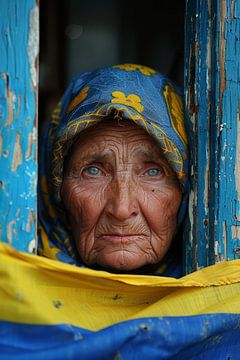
column 121, row 261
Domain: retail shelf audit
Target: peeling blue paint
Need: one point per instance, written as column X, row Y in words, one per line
column 229, row 137
column 197, row 88
column 212, row 94
column 18, row 113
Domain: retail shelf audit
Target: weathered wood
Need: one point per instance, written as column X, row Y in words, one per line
column 18, row 120
column 212, row 94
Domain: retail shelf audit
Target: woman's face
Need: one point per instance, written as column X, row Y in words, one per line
column 121, row 196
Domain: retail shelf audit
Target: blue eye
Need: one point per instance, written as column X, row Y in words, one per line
column 93, row 170
column 153, row 172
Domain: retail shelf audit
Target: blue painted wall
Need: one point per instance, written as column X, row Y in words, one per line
column 18, row 117
column 212, row 95
column 227, row 93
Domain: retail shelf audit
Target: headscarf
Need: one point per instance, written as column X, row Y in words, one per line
column 140, row 94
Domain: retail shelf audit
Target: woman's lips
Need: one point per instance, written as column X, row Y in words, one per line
column 120, row 238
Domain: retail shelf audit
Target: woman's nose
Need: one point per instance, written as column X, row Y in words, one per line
column 122, row 201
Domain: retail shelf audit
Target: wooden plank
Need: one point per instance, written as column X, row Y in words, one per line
column 227, row 93
column 197, row 89
column 212, row 71
column 19, row 38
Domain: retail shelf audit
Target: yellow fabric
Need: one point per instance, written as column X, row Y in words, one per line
column 38, row 290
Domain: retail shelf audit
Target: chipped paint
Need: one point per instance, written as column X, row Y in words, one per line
column 10, row 231
column 235, row 231
column 29, row 149
column 5, row 153
column 17, row 154
column 18, row 121
column 237, row 250
column 212, row 87
column 206, row 187
column 232, row 9
column 222, row 255
column 33, row 44
column 222, row 53
column 190, row 213
column 216, row 247
column 228, row 149
column 11, row 98
column 197, row 86
column 191, row 90
column 32, row 247
column 237, row 165
column 32, row 139
column 31, row 218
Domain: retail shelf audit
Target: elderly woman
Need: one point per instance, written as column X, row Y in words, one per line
column 112, row 197
column 114, row 173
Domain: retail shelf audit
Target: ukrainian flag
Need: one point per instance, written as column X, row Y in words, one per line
column 52, row 310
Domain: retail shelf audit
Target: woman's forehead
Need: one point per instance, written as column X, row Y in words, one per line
column 105, row 138
column 138, row 150
column 123, row 127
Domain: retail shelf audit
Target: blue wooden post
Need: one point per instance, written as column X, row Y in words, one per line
column 18, row 120
column 212, row 95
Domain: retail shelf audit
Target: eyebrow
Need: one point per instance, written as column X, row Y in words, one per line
column 149, row 155
column 95, row 157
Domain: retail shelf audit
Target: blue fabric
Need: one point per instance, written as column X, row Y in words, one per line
column 206, row 337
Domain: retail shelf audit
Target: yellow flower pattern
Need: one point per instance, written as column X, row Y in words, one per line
column 132, row 100
column 175, row 108
column 78, row 99
column 47, row 250
column 145, row 70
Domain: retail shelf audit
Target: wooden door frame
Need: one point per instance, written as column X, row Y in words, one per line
column 212, row 98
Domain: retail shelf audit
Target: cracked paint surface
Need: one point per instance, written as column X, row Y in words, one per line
column 18, row 112
column 212, row 88
column 197, row 89
column 229, row 148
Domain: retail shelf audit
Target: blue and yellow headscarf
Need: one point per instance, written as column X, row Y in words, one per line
column 140, row 94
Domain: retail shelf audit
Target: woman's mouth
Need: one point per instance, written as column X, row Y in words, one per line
column 120, row 238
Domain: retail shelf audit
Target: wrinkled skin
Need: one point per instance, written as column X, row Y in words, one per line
column 121, row 197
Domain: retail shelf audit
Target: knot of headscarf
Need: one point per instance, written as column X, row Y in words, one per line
column 140, row 94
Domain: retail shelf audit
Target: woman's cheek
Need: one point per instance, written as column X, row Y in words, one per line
column 165, row 202
column 71, row 194
column 85, row 203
